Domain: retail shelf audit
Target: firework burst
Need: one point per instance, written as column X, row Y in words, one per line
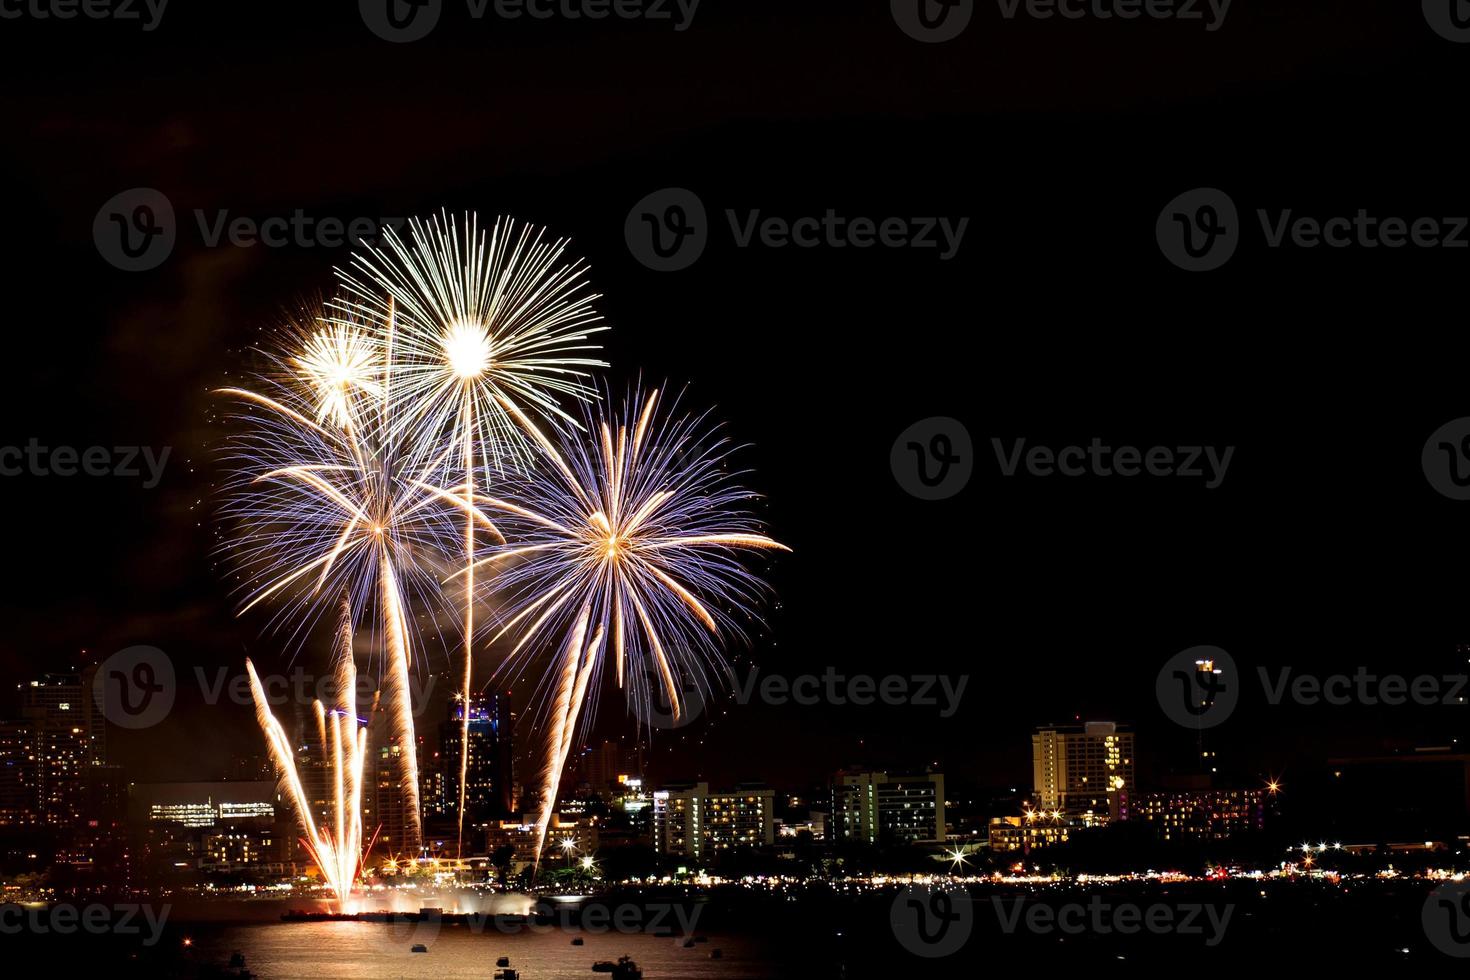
column 483, row 330
column 324, row 499
column 625, row 543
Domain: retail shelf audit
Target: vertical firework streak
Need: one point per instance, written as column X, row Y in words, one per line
column 624, row 533
column 435, row 360
column 338, row 852
column 482, row 328
column 341, row 503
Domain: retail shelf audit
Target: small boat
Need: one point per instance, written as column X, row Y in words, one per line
column 503, row 961
column 418, row 948
column 623, row 969
column 507, row 975
column 578, row 941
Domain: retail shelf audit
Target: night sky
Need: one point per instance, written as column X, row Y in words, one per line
column 1058, row 320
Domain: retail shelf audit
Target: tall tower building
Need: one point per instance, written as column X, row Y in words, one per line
column 1085, row 772
column 488, row 778
column 387, row 807
column 68, row 738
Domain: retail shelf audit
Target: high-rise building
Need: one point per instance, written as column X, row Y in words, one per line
column 488, row 778
column 68, row 737
column 20, row 796
column 1085, row 772
column 691, row 821
column 878, row 808
column 387, row 807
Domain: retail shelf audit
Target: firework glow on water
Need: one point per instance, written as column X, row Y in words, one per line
column 406, row 447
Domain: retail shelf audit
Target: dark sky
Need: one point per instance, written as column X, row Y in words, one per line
column 1058, row 320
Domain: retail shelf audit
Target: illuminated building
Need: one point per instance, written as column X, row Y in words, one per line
column 204, row 805
column 691, row 821
column 20, row 799
column 576, row 837
column 877, row 808
column 386, row 805
column 1084, row 771
column 1027, row 832
column 1201, row 815
column 488, row 774
column 212, row 826
column 815, row 824
column 68, row 736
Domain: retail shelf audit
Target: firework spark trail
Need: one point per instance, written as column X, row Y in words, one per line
column 325, row 497
column 638, row 534
column 480, row 328
column 338, row 852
